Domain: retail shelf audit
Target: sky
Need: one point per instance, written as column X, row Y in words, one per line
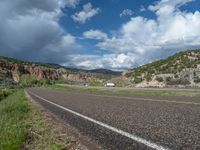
column 89, row 34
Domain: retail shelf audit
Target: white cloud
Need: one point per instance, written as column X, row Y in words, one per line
column 72, row 3
column 87, row 13
column 142, row 8
column 30, row 30
column 172, row 4
column 172, row 30
column 69, row 42
column 120, row 61
column 126, row 12
column 95, row 34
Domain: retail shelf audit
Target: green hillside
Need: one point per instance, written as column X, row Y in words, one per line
column 181, row 66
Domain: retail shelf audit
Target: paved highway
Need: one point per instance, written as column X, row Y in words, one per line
column 128, row 121
column 186, row 90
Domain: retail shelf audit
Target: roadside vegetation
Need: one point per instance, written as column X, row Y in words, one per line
column 23, row 125
column 45, row 132
column 14, row 115
column 5, row 92
column 99, row 90
column 173, row 69
column 27, row 80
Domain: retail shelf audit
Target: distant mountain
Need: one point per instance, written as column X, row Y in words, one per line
column 182, row 68
column 105, row 71
column 99, row 71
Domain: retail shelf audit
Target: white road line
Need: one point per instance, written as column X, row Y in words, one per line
column 123, row 133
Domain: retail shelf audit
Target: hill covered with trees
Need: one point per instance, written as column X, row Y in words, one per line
column 182, row 68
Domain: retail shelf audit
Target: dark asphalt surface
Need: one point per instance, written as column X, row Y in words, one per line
column 186, row 90
column 171, row 122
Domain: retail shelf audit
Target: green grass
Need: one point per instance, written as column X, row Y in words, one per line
column 119, row 91
column 14, row 113
column 45, row 133
column 4, row 93
column 24, row 126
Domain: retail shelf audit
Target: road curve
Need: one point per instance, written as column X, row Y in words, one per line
column 128, row 121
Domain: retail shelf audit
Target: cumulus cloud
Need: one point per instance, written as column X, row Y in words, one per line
column 109, row 61
column 126, row 12
column 72, row 3
column 87, row 13
column 95, row 34
column 30, row 30
column 171, row 31
column 142, row 8
column 172, row 4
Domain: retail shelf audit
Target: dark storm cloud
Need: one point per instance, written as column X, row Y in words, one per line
column 29, row 30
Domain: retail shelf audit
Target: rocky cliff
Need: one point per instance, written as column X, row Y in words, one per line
column 14, row 69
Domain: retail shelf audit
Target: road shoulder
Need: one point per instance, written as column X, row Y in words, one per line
column 49, row 131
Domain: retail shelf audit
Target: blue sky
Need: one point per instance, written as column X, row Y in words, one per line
column 108, row 20
column 111, row 34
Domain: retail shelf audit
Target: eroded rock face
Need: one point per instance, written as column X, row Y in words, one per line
column 146, row 84
column 15, row 70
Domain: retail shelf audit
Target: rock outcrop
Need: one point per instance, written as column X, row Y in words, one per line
column 15, row 69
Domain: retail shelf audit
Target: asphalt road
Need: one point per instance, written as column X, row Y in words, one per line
column 128, row 121
column 186, row 90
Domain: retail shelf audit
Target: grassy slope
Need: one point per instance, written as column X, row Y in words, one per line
column 14, row 113
column 23, row 125
column 120, row 91
column 4, row 93
column 45, row 132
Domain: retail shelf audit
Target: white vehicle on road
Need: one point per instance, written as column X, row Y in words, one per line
column 109, row 85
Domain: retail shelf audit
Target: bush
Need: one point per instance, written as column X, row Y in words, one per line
column 8, row 83
column 43, row 82
column 197, row 80
column 4, row 93
column 95, row 83
column 168, row 79
column 178, row 82
column 138, row 80
column 159, row 79
column 28, row 80
column 148, row 77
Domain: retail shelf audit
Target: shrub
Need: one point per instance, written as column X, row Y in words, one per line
column 43, row 82
column 138, row 80
column 168, row 79
column 95, row 83
column 178, row 82
column 8, row 83
column 4, row 93
column 159, row 79
column 197, row 80
column 28, row 80
column 148, row 77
